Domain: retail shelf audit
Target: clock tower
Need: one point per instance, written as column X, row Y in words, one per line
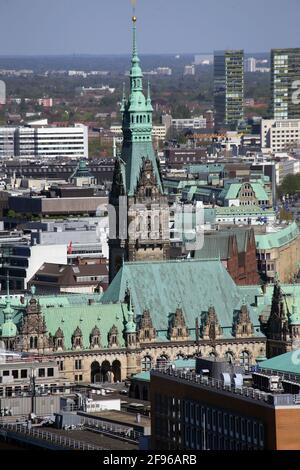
column 137, row 195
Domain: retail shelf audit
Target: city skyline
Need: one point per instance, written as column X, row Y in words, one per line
column 39, row 30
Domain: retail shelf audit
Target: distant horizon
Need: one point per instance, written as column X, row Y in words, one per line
column 86, row 54
column 93, row 27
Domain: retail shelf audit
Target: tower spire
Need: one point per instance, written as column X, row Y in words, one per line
column 134, row 43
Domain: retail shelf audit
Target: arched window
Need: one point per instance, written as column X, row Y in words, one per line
column 146, row 334
column 148, row 118
column 33, row 342
column 245, row 359
column 146, row 363
column 162, row 361
column 179, row 356
column 229, row 357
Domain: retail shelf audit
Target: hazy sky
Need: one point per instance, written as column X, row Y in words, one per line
column 103, row 26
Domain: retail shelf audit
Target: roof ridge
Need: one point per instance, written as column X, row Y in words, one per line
column 189, row 260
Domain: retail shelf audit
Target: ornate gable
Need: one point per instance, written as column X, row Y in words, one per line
column 95, row 338
column 77, row 339
column 146, row 332
column 147, row 187
column 33, row 332
column 58, row 340
column 243, row 326
column 178, row 330
column 113, row 340
column 211, row 328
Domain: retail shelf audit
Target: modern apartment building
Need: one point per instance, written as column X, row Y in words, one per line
column 279, row 134
column 285, row 81
column 44, row 141
column 228, row 87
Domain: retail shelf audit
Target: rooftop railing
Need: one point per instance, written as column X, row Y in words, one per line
column 41, row 434
column 246, row 392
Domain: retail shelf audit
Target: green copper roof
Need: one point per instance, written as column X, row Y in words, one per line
column 232, row 191
column 243, row 210
column 8, row 329
column 137, row 128
column 194, row 285
column 288, row 362
column 103, row 316
column 281, row 237
column 133, row 155
column 130, row 325
column 70, row 311
column 82, row 170
column 144, row 376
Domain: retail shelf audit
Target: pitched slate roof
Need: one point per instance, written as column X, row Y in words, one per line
column 194, row 285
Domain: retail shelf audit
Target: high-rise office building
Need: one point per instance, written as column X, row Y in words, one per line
column 285, row 83
column 44, row 141
column 228, row 87
column 250, row 64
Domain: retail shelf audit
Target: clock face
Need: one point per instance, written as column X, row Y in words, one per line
column 148, row 176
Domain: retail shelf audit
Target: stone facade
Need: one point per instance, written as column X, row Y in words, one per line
column 142, row 349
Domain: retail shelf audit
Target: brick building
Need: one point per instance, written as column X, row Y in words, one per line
column 217, row 407
column 237, row 250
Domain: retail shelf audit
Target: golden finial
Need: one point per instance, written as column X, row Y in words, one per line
column 134, row 18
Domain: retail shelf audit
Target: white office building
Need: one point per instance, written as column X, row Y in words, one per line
column 279, row 135
column 193, row 123
column 189, row 70
column 250, row 64
column 44, row 141
column 158, row 132
column 164, row 71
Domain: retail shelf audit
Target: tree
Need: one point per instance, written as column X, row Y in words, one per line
column 290, row 185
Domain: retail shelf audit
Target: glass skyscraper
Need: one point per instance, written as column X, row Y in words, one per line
column 285, row 81
column 228, row 88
